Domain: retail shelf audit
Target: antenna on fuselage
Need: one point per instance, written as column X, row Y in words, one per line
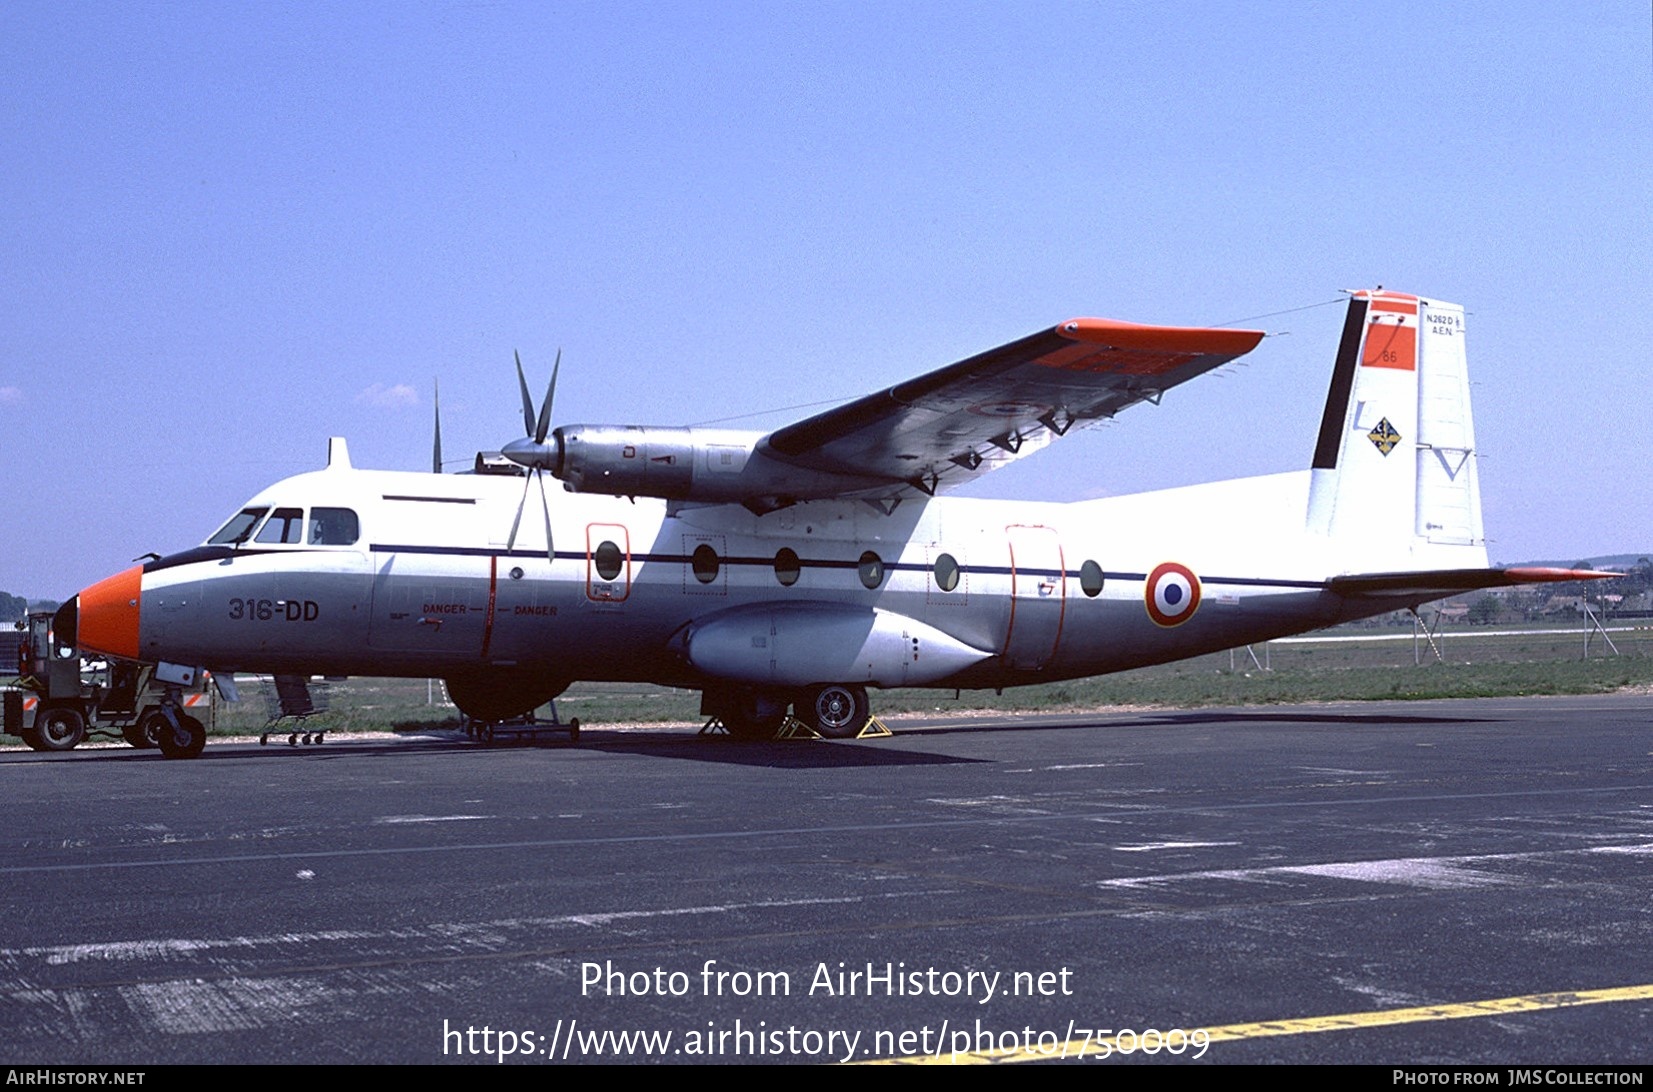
column 338, row 454
column 436, row 448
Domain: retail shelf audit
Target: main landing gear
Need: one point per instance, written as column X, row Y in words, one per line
column 836, row 711
column 833, row 710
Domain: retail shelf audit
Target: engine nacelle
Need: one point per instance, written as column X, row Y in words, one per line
column 712, row 466
column 633, row 461
column 800, row 644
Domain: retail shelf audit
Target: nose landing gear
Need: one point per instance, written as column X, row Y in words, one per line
column 178, row 734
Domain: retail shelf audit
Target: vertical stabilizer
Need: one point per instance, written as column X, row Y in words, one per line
column 1394, row 480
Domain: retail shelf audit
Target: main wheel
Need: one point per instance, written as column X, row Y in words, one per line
column 145, row 732
column 185, row 741
column 751, row 715
column 742, row 726
column 836, row 711
column 59, row 729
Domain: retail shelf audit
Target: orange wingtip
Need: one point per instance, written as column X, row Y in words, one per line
column 1163, row 339
column 1537, row 574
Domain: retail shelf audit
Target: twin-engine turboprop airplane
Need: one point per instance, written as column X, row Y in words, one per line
column 803, row 567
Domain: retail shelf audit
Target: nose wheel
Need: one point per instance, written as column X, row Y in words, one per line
column 178, row 734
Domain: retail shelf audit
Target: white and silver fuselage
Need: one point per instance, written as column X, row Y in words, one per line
column 947, row 591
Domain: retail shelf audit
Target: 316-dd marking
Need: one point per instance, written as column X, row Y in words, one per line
column 266, row 610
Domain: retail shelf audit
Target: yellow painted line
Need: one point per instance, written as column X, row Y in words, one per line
column 1233, row 1033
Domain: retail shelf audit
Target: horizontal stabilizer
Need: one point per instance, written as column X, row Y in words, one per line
column 1434, row 583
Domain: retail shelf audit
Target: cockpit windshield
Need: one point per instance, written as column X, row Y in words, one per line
column 286, row 527
column 237, row 530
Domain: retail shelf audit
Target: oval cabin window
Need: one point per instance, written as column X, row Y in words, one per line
column 608, row 560
column 787, row 566
column 704, row 563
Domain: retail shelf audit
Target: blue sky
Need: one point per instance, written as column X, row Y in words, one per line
column 233, row 230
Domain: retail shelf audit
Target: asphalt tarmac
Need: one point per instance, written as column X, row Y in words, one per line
column 1430, row 882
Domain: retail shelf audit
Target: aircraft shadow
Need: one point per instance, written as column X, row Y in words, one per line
column 1013, row 722
column 778, row 754
column 1262, row 716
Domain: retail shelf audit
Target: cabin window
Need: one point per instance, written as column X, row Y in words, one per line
column 285, row 526
column 238, row 528
column 334, row 527
column 1090, row 579
column 871, row 569
column 608, row 560
column 787, row 566
column 704, row 563
column 947, row 572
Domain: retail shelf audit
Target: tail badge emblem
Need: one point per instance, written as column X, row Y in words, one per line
column 1384, row 437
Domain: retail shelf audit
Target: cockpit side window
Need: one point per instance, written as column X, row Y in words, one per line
column 285, row 525
column 238, row 528
column 334, row 527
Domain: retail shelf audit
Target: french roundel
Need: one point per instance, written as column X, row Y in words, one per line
column 1173, row 594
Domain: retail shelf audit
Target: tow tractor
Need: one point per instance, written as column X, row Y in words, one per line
column 60, row 699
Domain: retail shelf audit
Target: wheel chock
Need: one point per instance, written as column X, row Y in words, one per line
column 874, row 729
column 793, row 728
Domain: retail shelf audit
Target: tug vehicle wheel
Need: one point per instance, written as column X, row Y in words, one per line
column 145, row 732
column 59, row 729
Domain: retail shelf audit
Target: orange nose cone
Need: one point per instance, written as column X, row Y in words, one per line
column 109, row 614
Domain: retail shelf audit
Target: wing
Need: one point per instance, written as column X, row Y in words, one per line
column 943, row 429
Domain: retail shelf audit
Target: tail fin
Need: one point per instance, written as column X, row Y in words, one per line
column 1394, row 480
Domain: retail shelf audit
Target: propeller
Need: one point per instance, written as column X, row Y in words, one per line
column 533, row 452
column 436, row 449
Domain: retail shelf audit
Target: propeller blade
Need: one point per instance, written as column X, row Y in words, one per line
column 545, row 506
column 511, row 540
column 535, row 431
column 436, row 449
column 527, row 399
column 544, row 424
